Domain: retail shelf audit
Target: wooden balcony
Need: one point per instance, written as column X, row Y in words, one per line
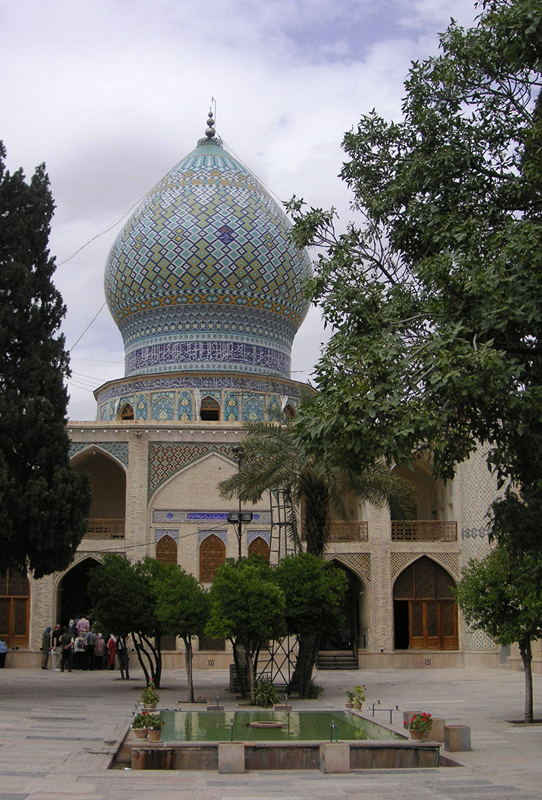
column 348, row 532
column 423, row 530
column 105, row 528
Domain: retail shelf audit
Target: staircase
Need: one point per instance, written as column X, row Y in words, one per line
column 337, row 659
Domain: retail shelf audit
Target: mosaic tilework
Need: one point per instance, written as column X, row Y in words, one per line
column 215, row 355
column 141, row 407
column 207, row 236
column 203, row 382
column 231, row 407
column 184, row 406
column 159, row 533
column 167, row 458
column 117, row 449
column 253, row 409
column 163, row 406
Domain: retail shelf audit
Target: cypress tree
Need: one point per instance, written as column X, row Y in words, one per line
column 43, row 502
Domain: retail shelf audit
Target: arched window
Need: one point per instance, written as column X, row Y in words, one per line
column 14, row 608
column 289, row 411
column 166, row 550
column 259, row 547
column 212, row 553
column 209, row 410
column 425, row 609
column 126, row 412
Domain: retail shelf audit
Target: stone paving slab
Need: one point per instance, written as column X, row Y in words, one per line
column 57, row 730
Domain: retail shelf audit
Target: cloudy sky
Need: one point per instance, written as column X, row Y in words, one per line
column 112, row 93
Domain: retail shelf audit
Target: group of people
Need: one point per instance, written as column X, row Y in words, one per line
column 78, row 646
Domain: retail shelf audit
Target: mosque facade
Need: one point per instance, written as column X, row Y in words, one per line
column 207, row 291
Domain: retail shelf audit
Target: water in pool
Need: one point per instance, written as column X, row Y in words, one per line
column 225, row 726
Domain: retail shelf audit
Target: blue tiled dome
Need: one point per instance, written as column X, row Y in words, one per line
column 203, row 275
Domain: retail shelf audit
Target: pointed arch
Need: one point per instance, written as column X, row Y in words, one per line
column 425, row 608
column 107, row 476
column 73, row 597
column 166, row 550
column 126, row 412
column 209, row 410
column 212, row 554
column 259, row 547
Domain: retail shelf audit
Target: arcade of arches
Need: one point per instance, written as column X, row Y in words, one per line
column 14, row 609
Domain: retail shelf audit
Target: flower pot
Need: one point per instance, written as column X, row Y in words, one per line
column 417, row 735
column 154, row 734
column 348, row 705
column 149, row 705
column 357, row 706
column 141, row 733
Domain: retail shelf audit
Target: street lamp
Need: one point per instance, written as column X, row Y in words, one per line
column 239, row 518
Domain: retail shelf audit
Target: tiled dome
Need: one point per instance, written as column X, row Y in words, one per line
column 203, row 275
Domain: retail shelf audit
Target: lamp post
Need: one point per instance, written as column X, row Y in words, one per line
column 237, row 518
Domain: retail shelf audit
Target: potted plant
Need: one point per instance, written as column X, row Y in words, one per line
column 419, row 725
column 350, row 698
column 139, row 725
column 154, row 726
column 360, row 694
column 149, row 696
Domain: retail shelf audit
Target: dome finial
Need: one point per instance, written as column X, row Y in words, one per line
column 210, row 131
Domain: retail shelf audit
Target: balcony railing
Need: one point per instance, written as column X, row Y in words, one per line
column 105, row 528
column 349, row 532
column 423, row 530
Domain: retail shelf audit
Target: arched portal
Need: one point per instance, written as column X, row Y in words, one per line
column 212, row 554
column 106, row 518
column 349, row 634
column 425, row 609
column 73, row 597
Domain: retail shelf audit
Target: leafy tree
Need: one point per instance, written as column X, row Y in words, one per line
column 124, row 600
column 43, row 502
column 182, row 608
column 248, row 609
column 273, row 457
column 502, row 595
column 314, row 591
column 433, row 292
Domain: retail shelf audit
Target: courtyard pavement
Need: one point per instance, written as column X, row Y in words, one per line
column 58, row 732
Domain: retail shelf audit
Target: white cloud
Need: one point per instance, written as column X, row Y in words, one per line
column 111, row 94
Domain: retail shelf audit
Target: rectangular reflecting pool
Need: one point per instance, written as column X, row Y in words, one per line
column 295, row 726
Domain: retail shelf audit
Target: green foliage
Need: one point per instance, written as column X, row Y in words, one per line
column 314, row 591
column 502, row 595
column 149, row 695
column 43, row 501
column 433, row 293
column 314, row 691
column 182, row 604
column 266, row 694
column 124, row 602
column 245, row 605
column 420, row 722
column 140, row 720
column 274, row 457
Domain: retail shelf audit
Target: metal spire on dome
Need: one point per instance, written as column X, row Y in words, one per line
column 210, row 131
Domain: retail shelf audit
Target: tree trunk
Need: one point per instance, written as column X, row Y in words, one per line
column 188, row 662
column 306, row 659
column 152, row 654
column 250, row 676
column 239, row 658
column 527, row 657
column 140, row 651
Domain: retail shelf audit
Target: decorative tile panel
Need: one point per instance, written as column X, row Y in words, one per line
column 117, row 449
column 167, row 458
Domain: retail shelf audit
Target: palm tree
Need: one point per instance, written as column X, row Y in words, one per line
column 273, row 458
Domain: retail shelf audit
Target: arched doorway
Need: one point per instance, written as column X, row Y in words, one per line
column 73, row 597
column 425, row 608
column 348, row 635
column 259, row 547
